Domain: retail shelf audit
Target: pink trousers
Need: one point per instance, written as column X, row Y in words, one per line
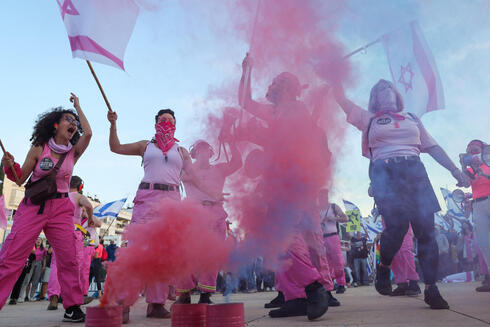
column 403, row 264
column 206, row 281
column 145, row 210
column 305, row 263
column 54, row 287
column 335, row 258
column 88, row 253
column 57, row 223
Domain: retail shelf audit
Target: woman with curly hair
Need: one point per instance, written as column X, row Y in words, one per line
column 60, row 135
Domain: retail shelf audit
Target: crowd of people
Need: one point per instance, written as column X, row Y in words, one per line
column 34, row 281
column 317, row 258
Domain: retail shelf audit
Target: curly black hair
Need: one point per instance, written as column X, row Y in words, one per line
column 44, row 128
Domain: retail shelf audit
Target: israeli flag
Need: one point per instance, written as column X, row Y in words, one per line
column 110, row 209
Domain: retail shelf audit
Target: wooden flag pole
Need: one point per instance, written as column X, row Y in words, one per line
column 17, row 179
column 99, row 85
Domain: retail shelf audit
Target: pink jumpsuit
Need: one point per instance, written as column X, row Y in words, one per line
column 54, row 287
column 211, row 176
column 304, row 264
column 158, row 170
column 332, row 245
column 56, row 220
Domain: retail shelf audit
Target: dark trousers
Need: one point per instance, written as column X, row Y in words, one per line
column 404, row 195
column 18, row 285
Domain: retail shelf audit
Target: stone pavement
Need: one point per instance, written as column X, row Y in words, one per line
column 361, row 306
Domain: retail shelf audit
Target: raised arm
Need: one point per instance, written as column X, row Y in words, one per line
column 340, row 216
column 262, row 111
column 235, row 163
column 356, row 116
column 130, row 149
column 84, row 140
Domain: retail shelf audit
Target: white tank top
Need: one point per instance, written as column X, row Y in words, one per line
column 159, row 170
column 330, row 225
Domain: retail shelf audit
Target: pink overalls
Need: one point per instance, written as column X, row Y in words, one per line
column 158, row 170
column 331, row 241
column 54, row 285
column 304, row 264
column 211, row 176
column 56, row 219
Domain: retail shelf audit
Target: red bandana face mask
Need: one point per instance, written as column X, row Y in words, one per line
column 165, row 136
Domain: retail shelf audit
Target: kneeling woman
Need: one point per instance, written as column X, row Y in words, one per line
column 163, row 162
column 57, row 144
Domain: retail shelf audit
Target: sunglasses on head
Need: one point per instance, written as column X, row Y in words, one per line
column 72, row 120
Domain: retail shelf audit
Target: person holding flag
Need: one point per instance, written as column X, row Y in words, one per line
column 59, row 139
column 393, row 140
column 163, row 163
column 304, row 278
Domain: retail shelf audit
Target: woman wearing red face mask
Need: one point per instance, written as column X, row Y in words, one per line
column 163, row 162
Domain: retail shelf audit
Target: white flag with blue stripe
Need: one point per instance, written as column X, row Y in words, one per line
column 110, row 209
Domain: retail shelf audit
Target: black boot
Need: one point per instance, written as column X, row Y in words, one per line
column 291, row 308
column 157, row 310
column 340, row 290
column 277, row 302
column 382, row 282
column 205, row 298
column 413, row 288
column 317, row 300
column 434, row 299
column 184, row 298
column 332, row 302
column 400, row 290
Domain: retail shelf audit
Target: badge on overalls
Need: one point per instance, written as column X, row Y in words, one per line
column 46, row 164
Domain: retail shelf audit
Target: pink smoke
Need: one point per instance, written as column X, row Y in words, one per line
column 175, row 244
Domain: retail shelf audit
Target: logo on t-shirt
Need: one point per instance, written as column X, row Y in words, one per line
column 384, row 121
column 46, row 164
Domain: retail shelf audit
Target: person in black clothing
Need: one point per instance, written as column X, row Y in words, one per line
column 360, row 255
column 14, row 296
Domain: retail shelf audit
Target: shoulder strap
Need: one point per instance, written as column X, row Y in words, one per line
column 367, row 135
column 58, row 164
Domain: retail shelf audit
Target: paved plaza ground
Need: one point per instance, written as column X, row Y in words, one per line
column 361, row 306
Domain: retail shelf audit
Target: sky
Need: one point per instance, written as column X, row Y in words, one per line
column 177, row 56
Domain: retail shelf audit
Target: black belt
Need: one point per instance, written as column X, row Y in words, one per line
column 330, row 234
column 156, row 186
column 55, row 196
column 483, row 198
column 399, row 159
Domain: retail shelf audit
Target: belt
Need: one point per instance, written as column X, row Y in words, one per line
column 156, row 186
column 59, row 196
column 400, row 159
column 483, row 198
column 55, row 196
column 330, row 234
column 209, row 203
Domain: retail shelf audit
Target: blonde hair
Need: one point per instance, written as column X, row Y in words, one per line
column 373, row 102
